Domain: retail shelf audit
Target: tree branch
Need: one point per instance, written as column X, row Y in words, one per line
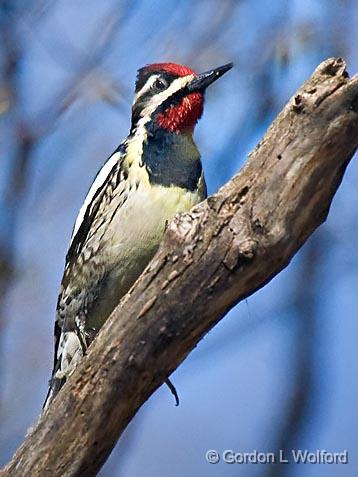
column 210, row 258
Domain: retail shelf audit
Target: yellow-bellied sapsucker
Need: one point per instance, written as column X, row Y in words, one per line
column 154, row 174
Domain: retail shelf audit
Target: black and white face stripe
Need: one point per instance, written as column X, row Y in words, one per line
column 147, row 87
column 145, row 77
column 152, row 90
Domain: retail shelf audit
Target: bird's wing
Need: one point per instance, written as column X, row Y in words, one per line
column 108, row 178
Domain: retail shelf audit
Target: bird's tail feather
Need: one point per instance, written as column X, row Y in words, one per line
column 54, row 386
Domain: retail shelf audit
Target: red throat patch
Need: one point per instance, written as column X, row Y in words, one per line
column 183, row 116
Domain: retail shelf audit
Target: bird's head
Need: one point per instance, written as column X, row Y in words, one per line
column 170, row 96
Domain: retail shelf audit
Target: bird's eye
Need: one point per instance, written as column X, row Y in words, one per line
column 160, row 84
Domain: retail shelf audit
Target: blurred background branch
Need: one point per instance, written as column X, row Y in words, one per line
column 300, row 384
column 22, row 143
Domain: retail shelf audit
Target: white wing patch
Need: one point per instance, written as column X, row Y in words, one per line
column 97, row 184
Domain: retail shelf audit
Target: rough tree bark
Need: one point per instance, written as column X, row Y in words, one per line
column 210, row 258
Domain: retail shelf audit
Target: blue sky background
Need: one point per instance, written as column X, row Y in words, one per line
column 280, row 369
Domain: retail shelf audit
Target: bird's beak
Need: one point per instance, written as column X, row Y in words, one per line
column 203, row 80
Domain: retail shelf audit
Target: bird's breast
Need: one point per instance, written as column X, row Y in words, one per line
column 133, row 237
column 139, row 224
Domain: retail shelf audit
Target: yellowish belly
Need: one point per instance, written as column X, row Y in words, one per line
column 133, row 238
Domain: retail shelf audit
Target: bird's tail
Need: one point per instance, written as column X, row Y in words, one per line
column 69, row 351
column 55, row 385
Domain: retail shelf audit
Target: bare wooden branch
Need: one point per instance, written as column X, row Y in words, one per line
column 222, row 251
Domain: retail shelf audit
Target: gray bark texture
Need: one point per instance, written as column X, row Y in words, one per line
column 210, row 258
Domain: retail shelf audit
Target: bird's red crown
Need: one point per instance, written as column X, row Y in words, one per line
column 171, row 68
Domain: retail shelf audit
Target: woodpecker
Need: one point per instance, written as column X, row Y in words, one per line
column 154, row 173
